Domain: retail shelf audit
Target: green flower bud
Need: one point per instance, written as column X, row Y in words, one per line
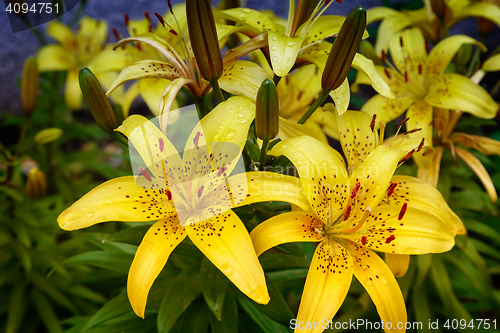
column 29, row 85
column 37, row 183
column 267, row 111
column 48, row 135
column 96, row 100
column 344, row 49
column 203, row 36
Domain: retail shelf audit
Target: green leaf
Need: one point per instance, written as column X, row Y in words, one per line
column 116, row 261
column 196, row 318
column 254, row 150
column 266, row 324
column 421, row 307
column 129, row 323
column 483, row 230
column 277, row 309
column 17, row 306
column 275, row 261
column 214, row 286
column 132, row 235
column 287, row 275
column 229, row 322
column 45, row 312
column 182, row 291
column 424, row 264
column 50, row 289
column 113, row 309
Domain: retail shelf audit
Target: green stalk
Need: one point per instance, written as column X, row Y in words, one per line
column 200, row 107
column 473, row 62
column 314, row 106
column 23, row 132
column 276, row 79
column 263, row 152
column 217, row 91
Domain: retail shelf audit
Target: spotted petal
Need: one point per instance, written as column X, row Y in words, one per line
column 377, row 278
column 150, row 258
column 242, row 78
column 321, row 171
column 366, row 66
column 341, row 97
column 224, row 240
column 286, row 228
column 289, row 129
column 119, row 199
column 327, row 284
column 421, row 195
column 246, row 16
column 457, row 92
column 283, row 52
column 410, row 55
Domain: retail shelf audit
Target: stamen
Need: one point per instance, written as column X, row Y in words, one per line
column 421, row 145
column 403, row 211
column 406, row 158
column 427, row 47
column 126, row 19
column 150, row 28
column 146, row 14
column 117, row 35
column 145, row 173
column 372, row 124
column 420, row 69
column 170, row 7
column 347, row 212
column 173, row 32
column 390, row 239
column 392, row 187
column 406, row 76
column 387, row 72
column 383, row 56
column 382, row 131
column 169, row 195
column 367, row 213
column 401, row 41
column 355, row 190
column 401, row 125
column 412, row 131
column 160, row 18
column 339, row 1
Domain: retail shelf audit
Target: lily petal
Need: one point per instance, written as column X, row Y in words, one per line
column 318, row 165
column 324, row 27
column 242, row 78
column 286, row 228
column 421, row 195
column 492, row 64
column 490, row 11
column 457, row 92
column 109, row 59
column 224, row 240
column 483, row 144
column 366, row 66
column 356, row 137
column 247, row 16
column 119, row 199
column 377, row 278
column 151, row 256
column 341, row 97
column 441, row 54
column 72, row 93
column 54, row 57
column 289, row 129
column 430, row 175
column 327, row 284
column 152, row 92
column 62, row 34
column 270, row 186
column 145, row 69
column 397, row 263
column 388, row 30
column 283, row 52
column 418, row 231
column 410, row 55
column 167, row 100
column 93, row 32
column 420, row 116
column 479, row 170
column 129, row 96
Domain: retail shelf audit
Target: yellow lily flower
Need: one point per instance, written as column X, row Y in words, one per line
column 353, row 213
column 180, row 71
column 393, row 21
column 188, row 196
column 420, row 85
column 86, row 48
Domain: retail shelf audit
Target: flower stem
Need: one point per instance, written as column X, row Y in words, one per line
column 473, row 62
column 217, row 91
column 321, row 98
column 201, row 107
column 276, row 79
column 23, row 132
column 263, row 152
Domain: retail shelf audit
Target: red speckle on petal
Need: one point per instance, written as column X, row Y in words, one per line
column 197, row 139
column 221, row 170
column 162, row 144
column 386, row 71
column 169, row 195
column 200, row 190
column 383, row 56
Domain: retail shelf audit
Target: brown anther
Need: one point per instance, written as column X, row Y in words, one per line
column 145, row 173
column 413, row 131
column 427, row 47
column 402, row 123
column 420, row 69
column 383, row 56
column 401, row 41
column 115, row 32
column 160, row 18
column 421, row 145
column 355, row 190
column 126, row 19
column 170, row 7
column 392, row 187
column 347, row 212
column 150, row 28
column 139, row 47
column 173, row 32
column 146, row 14
column 406, row 158
column 390, row 239
column 169, row 195
column 402, row 211
column 387, row 72
column 406, row 76
column 372, row 124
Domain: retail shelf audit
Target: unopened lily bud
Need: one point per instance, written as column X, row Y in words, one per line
column 366, row 48
column 48, row 135
column 267, row 111
column 439, row 8
column 96, row 100
column 37, row 183
column 484, row 26
column 344, row 49
column 203, row 36
column 29, row 85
